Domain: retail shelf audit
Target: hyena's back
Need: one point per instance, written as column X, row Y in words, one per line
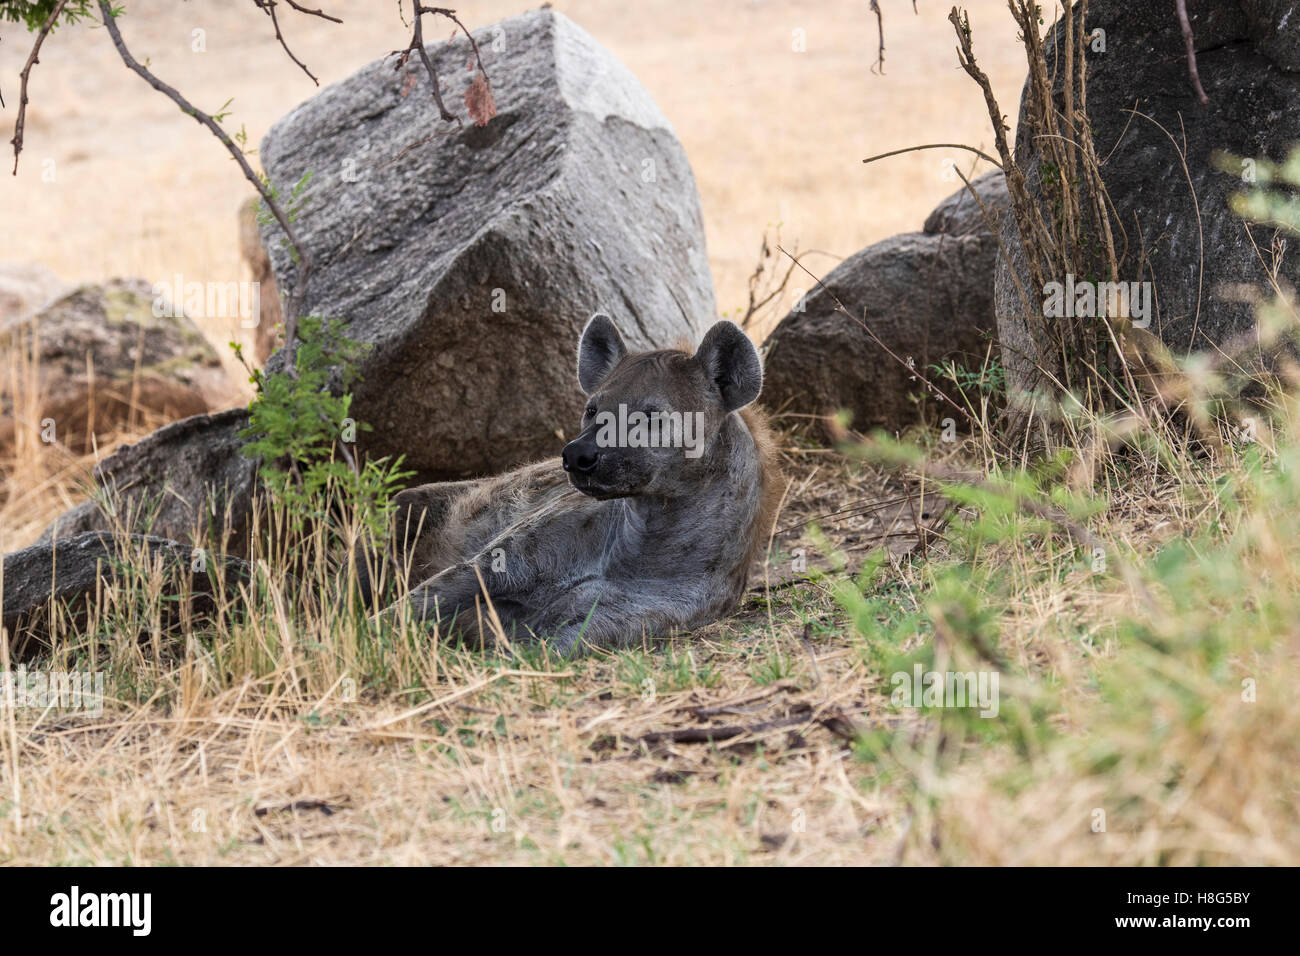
column 439, row 524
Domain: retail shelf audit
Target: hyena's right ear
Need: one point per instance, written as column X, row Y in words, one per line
column 599, row 351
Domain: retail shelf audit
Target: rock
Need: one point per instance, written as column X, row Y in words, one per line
column 1248, row 55
column 267, row 337
column 961, row 215
column 25, row 289
column 187, row 482
column 69, row 571
column 928, row 296
column 470, row 258
column 140, row 365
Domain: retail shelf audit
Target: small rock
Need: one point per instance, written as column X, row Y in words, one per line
column 103, row 359
column 927, row 296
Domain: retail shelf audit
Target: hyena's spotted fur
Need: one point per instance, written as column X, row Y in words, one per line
column 606, row 545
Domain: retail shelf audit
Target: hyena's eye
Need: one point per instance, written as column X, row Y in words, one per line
column 591, row 410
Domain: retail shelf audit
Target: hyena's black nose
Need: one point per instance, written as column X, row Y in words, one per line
column 579, row 456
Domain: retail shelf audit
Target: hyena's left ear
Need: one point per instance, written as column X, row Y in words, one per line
column 599, row 350
column 731, row 362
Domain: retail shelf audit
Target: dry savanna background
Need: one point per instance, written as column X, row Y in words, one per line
column 1132, row 586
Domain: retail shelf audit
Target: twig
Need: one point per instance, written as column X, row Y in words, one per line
column 756, row 303
column 853, row 511
column 473, row 44
column 880, row 36
column 729, row 706
column 417, row 46
column 1188, row 41
column 812, row 656
column 911, row 149
column 269, row 7
column 706, row 735
column 313, row 13
column 416, row 144
column 837, row 723
column 304, row 261
column 32, row 59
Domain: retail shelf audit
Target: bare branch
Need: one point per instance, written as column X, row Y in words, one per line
column 1191, row 52
column 775, row 286
column 451, row 15
column 417, row 46
column 32, row 59
column 911, row 149
column 313, row 13
column 294, row 302
column 268, row 7
column 880, row 36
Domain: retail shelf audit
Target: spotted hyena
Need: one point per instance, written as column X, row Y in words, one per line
column 648, row 521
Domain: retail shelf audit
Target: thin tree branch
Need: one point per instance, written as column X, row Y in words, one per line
column 1188, row 41
column 313, row 13
column 295, row 299
column 268, row 7
column 911, row 149
column 417, row 46
column 880, row 38
column 451, row 15
column 32, row 59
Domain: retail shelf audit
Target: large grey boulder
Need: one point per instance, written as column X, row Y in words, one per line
column 106, row 357
column 927, row 296
column 69, row 572
column 187, row 482
column 471, row 258
column 1182, row 237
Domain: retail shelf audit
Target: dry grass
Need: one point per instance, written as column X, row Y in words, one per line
column 292, row 735
column 245, row 747
column 522, row 769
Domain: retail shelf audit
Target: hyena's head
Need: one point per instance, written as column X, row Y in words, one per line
column 651, row 417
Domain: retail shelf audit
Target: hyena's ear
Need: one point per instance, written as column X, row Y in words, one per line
column 599, row 351
column 732, row 364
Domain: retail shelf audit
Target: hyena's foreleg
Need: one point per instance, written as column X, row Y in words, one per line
column 603, row 614
column 463, row 599
column 416, row 545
